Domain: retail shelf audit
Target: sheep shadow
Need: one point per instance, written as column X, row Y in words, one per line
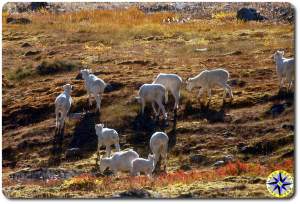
column 56, row 151
column 205, row 112
column 84, row 136
column 148, row 123
column 284, row 94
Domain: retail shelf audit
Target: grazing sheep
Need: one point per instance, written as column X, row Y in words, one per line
column 143, row 165
column 94, row 86
column 207, row 79
column 107, row 137
column 285, row 68
column 172, row 83
column 63, row 104
column 120, row 161
column 159, row 147
column 152, row 93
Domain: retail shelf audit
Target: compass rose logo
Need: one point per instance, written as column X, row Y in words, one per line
column 280, row 184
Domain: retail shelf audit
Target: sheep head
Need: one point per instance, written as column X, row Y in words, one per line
column 278, row 55
column 189, row 84
column 98, row 128
column 68, row 88
column 85, row 73
column 104, row 164
column 137, row 99
column 151, row 157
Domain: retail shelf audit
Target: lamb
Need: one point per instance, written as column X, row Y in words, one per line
column 159, row 147
column 94, row 86
column 63, row 104
column 285, row 68
column 120, row 161
column 153, row 93
column 172, row 83
column 107, row 137
column 143, row 165
column 207, row 79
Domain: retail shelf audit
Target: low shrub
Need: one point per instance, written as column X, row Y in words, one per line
column 46, row 68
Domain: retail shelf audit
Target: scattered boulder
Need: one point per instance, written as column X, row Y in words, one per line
column 288, row 126
column 228, row 158
column 73, row 153
column 249, row 14
column 31, row 53
column 198, row 159
column 276, row 109
column 37, row 5
column 11, row 20
column 185, row 167
column 134, row 193
column 219, row 163
column 185, row 195
column 290, row 153
column 237, row 82
column 227, row 134
column 54, row 67
column 26, row 44
column 266, row 147
column 140, row 62
column 42, row 174
column 237, row 52
column 113, row 86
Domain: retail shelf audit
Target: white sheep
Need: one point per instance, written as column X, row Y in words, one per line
column 153, row 93
column 143, row 165
column 63, row 104
column 159, row 147
column 107, row 137
column 285, row 68
column 120, row 161
column 94, row 86
column 208, row 79
column 172, row 83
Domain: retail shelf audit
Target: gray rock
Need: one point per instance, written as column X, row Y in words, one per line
column 249, row 14
column 199, row 159
column 73, row 153
column 185, row 167
column 228, row 158
column 134, row 193
column 23, row 21
column 218, row 163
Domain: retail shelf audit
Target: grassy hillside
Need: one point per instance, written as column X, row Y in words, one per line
column 127, row 48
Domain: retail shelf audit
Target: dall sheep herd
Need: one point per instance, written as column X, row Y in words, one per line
column 154, row 93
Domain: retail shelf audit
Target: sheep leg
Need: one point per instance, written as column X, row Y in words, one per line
column 143, row 106
column 166, row 97
column 108, row 150
column 201, row 90
column 156, row 158
column 98, row 100
column 161, row 107
column 164, row 158
column 153, row 107
column 117, row 146
column 176, row 95
column 228, row 88
column 209, row 95
column 90, row 99
column 280, row 81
